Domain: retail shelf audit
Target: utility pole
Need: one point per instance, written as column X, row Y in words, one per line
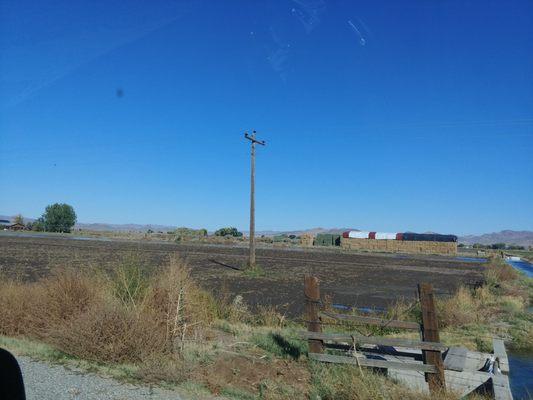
column 253, row 141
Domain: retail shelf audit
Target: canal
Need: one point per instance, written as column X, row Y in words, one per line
column 521, row 364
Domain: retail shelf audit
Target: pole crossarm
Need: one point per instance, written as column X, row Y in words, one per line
column 253, row 139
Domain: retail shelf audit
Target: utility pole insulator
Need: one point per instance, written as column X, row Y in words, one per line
column 253, row 142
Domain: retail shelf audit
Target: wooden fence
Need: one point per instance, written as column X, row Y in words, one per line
column 429, row 343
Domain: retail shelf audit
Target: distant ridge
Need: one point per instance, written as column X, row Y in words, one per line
column 109, row 227
column 315, row 231
column 521, row 238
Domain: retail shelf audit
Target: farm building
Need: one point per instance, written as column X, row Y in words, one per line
column 7, row 225
column 16, row 227
column 408, row 242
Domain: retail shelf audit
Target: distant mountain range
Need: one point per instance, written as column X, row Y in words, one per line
column 312, row 231
column 109, row 227
column 522, row 238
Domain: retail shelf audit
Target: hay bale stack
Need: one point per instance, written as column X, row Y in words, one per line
column 306, row 240
column 400, row 246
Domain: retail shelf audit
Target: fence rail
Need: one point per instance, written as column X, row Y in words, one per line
column 432, row 349
column 383, row 323
column 374, row 340
column 369, row 362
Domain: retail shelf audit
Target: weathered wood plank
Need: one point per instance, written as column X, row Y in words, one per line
column 312, row 298
column 500, row 353
column 377, row 340
column 463, row 383
column 374, row 321
column 455, row 359
column 501, row 387
column 430, row 333
column 371, row 362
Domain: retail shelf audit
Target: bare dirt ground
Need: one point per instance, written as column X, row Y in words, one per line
column 353, row 279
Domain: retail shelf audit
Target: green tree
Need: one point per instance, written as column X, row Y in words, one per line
column 59, row 218
column 228, row 231
column 202, row 232
column 38, row 225
column 19, row 219
column 498, row 246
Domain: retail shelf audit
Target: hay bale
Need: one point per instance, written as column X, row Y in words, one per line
column 402, row 246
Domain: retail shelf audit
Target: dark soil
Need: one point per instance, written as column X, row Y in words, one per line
column 353, row 279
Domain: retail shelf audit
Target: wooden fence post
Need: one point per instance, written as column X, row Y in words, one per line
column 312, row 299
column 430, row 333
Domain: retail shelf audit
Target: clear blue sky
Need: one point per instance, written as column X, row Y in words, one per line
column 389, row 116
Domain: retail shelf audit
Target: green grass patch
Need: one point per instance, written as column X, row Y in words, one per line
column 285, row 344
column 238, row 394
column 254, row 272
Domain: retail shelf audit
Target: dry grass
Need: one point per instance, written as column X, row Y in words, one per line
column 504, row 297
column 498, row 272
column 125, row 317
column 162, row 323
column 340, row 382
column 472, row 316
column 32, row 309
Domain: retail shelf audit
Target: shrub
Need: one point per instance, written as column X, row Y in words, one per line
column 229, row 231
column 108, row 332
column 38, row 225
column 130, row 280
column 129, row 315
column 188, row 234
column 498, row 271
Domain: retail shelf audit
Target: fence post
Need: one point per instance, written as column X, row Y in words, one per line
column 312, row 299
column 430, row 333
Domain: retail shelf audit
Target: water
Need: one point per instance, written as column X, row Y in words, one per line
column 521, row 375
column 524, row 266
column 521, row 364
column 369, row 310
column 471, row 259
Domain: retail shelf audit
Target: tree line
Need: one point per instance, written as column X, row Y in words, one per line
column 495, row 246
column 58, row 217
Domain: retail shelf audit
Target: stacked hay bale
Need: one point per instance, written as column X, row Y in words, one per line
column 306, row 240
column 398, row 246
column 327, row 239
column 411, row 243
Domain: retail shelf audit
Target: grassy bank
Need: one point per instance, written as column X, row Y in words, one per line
column 159, row 327
column 499, row 307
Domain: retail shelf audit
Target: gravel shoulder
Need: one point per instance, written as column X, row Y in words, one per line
column 45, row 381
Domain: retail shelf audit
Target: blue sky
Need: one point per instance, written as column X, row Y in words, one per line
column 386, row 115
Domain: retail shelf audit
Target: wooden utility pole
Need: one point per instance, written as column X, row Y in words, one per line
column 253, row 141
